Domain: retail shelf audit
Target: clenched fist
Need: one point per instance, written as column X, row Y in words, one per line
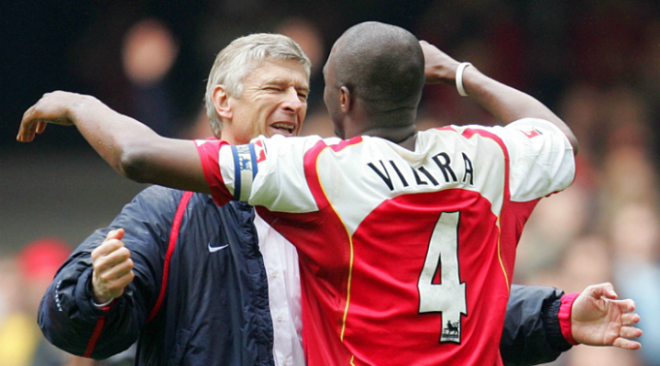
column 113, row 268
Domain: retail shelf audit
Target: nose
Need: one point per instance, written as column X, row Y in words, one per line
column 292, row 101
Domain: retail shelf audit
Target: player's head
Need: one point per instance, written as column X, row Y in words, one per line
column 374, row 74
column 258, row 85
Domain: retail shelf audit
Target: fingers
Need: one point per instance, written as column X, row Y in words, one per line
column 111, row 259
column 627, row 344
column 122, row 271
column 630, row 319
column 109, row 245
column 625, row 306
column 110, row 286
column 115, row 234
column 41, row 127
column 608, row 291
column 601, row 290
column 27, row 128
column 51, row 108
column 117, row 285
column 630, row 332
column 112, row 267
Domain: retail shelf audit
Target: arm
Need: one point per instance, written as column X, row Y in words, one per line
column 68, row 315
column 131, row 148
column 505, row 103
column 539, row 320
column 532, row 333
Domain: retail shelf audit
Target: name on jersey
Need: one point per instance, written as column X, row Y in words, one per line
column 434, row 174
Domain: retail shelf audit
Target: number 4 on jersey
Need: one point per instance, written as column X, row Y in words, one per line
column 448, row 296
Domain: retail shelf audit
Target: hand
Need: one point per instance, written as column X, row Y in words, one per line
column 51, row 108
column 598, row 319
column 113, row 268
column 438, row 66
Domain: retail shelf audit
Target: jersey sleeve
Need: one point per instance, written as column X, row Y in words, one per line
column 209, row 155
column 541, row 159
column 267, row 172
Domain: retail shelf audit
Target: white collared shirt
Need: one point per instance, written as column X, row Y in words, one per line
column 281, row 262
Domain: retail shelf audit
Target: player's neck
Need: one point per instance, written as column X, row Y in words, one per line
column 405, row 136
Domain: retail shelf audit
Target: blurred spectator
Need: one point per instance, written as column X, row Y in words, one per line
column 28, row 276
column 308, row 35
column 552, row 229
column 635, row 235
column 148, row 53
column 599, row 356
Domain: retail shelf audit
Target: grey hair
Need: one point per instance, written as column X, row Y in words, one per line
column 240, row 57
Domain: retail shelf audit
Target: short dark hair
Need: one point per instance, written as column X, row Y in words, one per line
column 381, row 64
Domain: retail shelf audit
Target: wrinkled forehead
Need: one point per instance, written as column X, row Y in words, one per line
column 279, row 70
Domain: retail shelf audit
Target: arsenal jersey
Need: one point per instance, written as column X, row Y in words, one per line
column 406, row 257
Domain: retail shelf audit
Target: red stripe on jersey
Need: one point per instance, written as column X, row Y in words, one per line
column 469, row 132
column 311, row 170
column 507, row 261
column 323, row 319
column 345, row 143
column 514, row 214
column 174, row 235
column 209, row 154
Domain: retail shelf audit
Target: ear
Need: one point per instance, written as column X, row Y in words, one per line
column 221, row 102
column 345, row 99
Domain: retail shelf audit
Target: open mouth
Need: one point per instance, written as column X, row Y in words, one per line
column 284, row 127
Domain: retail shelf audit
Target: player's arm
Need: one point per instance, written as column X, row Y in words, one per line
column 504, row 102
column 542, row 322
column 130, row 147
column 69, row 315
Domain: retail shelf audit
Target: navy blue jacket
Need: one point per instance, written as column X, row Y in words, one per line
column 197, row 301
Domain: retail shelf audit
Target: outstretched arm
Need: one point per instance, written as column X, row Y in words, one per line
column 130, row 147
column 542, row 322
column 504, row 102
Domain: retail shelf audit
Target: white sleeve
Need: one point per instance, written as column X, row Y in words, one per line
column 270, row 172
column 541, row 159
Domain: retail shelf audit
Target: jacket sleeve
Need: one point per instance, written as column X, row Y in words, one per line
column 532, row 334
column 67, row 315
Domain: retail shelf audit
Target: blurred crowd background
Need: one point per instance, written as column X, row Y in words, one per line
column 595, row 63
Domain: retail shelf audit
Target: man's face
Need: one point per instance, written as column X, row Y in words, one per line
column 274, row 101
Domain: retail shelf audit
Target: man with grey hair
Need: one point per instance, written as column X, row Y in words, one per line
column 227, row 76
column 194, row 290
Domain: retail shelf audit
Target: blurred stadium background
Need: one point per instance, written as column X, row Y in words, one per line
column 595, row 63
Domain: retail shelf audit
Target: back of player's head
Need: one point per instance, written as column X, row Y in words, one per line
column 381, row 64
column 240, row 57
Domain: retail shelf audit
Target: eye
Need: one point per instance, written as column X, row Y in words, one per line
column 273, row 89
column 303, row 96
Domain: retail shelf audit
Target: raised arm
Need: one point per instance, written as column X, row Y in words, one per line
column 504, row 102
column 130, row 147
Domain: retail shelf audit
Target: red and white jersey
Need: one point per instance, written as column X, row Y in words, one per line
column 406, row 257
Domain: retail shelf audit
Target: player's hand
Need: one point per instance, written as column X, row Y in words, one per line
column 598, row 319
column 113, row 268
column 438, row 66
column 51, row 108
